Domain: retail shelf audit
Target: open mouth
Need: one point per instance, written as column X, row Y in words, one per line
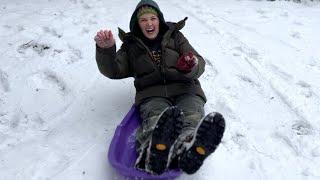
column 150, row 30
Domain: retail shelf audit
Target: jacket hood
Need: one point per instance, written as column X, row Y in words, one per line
column 134, row 27
column 171, row 26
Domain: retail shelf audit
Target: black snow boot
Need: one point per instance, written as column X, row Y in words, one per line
column 164, row 135
column 207, row 137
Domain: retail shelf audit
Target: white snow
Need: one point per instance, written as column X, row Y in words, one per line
column 58, row 113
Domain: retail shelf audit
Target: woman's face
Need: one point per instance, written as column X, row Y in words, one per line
column 149, row 25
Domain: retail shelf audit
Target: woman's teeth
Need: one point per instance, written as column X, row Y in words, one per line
column 150, row 30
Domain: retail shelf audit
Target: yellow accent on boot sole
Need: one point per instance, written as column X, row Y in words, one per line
column 201, row 150
column 161, row 147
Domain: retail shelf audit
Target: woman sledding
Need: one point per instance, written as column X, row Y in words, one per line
column 174, row 132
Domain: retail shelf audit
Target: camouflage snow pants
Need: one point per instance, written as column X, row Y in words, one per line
column 191, row 105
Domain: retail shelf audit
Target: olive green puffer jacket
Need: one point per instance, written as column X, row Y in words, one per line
column 134, row 59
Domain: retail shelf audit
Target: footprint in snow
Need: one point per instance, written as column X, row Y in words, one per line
column 52, row 31
column 39, row 48
column 248, row 80
column 53, row 78
column 303, row 84
column 249, row 52
column 75, row 55
column 240, row 140
column 4, row 82
column 288, row 142
column 15, row 120
column 302, row 128
column 313, row 62
column 48, row 80
column 306, row 89
column 285, row 76
column 3, row 119
column 296, row 35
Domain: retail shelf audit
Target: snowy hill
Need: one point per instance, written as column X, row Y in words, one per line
column 58, row 113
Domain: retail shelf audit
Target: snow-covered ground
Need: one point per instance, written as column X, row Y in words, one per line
column 58, row 113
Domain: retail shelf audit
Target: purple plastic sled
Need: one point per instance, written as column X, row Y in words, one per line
column 122, row 153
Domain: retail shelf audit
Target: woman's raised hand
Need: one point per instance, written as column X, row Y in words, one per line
column 104, row 39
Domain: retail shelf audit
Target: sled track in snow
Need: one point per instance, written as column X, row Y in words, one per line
column 253, row 62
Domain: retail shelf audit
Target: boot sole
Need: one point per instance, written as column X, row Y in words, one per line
column 208, row 137
column 164, row 135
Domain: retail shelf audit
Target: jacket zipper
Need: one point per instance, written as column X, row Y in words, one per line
column 161, row 64
column 163, row 73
